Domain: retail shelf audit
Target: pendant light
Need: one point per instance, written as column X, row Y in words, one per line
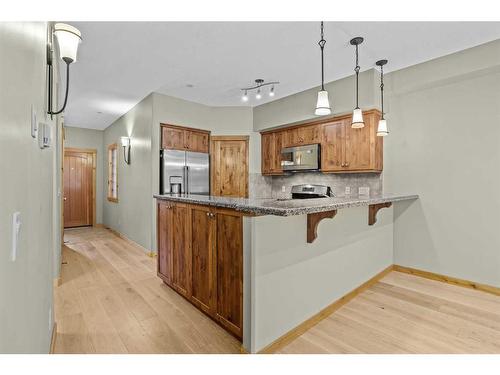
column 382, row 123
column 323, row 104
column 357, row 114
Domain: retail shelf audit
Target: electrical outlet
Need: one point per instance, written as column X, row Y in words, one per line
column 364, row 190
column 347, row 190
column 283, row 189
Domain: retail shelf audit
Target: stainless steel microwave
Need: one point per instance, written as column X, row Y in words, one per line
column 301, row 158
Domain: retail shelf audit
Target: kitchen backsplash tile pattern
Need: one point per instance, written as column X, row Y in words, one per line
column 272, row 186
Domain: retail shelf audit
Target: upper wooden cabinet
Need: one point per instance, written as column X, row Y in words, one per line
column 187, row 139
column 343, row 149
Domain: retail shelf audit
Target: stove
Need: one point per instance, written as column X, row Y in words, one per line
column 309, row 191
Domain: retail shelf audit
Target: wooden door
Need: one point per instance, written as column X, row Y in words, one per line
column 197, row 141
column 230, row 271
column 165, row 241
column 181, row 249
column 173, row 138
column 79, row 187
column 358, row 148
column 229, row 166
column 203, row 268
column 332, row 147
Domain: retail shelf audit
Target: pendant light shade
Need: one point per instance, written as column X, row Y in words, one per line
column 382, row 123
column 357, row 119
column 357, row 114
column 323, row 103
column 382, row 128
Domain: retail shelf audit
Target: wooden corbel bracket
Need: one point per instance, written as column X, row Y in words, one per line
column 313, row 221
column 373, row 209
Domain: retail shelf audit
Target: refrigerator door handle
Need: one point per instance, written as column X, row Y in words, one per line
column 186, row 173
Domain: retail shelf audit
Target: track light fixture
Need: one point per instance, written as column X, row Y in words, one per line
column 259, row 83
column 382, row 123
column 357, row 114
column 68, row 39
column 323, row 103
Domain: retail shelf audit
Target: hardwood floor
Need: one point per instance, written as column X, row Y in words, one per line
column 111, row 301
column 408, row 314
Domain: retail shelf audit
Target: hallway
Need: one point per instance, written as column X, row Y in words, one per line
column 111, row 301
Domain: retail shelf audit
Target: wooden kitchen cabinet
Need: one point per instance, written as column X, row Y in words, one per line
column 343, row 149
column 175, row 137
column 181, row 249
column 200, row 255
column 165, row 236
column 203, row 258
column 272, row 143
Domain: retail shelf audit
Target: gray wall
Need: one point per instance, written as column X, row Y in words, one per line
column 444, row 144
column 444, row 119
column 131, row 216
column 27, row 186
column 93, row 139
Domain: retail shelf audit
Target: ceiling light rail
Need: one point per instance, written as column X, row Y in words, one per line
column 259, row 83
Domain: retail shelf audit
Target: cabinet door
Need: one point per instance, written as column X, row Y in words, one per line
column 196, row 141
column 203, row 258
column 291, row 137
column 230, row 272
column 181, row 249
column 310, row 134
column 173, row 138
column 332, row 147
column 276, row 157
column 358, row 147
column 267, row 152
column 164, row 232
column 229, row 166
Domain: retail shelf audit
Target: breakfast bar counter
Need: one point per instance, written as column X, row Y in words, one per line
column 262, row 267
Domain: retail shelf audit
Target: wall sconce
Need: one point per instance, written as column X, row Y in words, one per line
column 126, row 149
column 68, row 39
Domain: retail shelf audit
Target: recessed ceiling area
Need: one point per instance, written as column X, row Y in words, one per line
column 119, row 63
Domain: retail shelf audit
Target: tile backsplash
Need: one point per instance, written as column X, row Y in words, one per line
column 272, row 186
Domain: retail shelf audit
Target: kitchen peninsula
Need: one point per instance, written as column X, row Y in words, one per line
column 258, row 267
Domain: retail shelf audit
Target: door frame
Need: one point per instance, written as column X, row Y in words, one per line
column 213, row 139
column 92, row 151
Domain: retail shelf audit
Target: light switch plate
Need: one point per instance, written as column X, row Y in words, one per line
column 283, row 189
column 347, row 190
column 34, row 123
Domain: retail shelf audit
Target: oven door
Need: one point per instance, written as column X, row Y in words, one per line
column 301, row 158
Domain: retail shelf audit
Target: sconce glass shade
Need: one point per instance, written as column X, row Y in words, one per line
column 357, row 119
column 125, row 141
column 68, row 39
column 382, row 128
column 323, row 104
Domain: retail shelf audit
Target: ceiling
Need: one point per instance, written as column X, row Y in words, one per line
column 119, row 63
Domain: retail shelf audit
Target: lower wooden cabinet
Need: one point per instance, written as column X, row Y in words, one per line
column 200, row 255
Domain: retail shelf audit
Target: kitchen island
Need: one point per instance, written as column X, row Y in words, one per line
column 261, row 267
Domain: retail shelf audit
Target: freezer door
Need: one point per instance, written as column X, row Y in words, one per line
column 198, row 173
column 172, row 169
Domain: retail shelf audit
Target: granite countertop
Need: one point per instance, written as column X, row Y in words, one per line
column 285, row 207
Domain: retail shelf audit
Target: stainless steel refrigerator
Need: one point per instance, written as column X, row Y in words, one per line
column 184, row 172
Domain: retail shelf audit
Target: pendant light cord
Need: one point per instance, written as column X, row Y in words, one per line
column 356, row 69
column 322, row 43
column 382, row 90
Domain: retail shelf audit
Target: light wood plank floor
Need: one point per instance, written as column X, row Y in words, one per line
column 408, row 314
column 111, row 301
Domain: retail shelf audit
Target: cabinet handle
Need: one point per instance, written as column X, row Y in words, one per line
column 208, row 214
